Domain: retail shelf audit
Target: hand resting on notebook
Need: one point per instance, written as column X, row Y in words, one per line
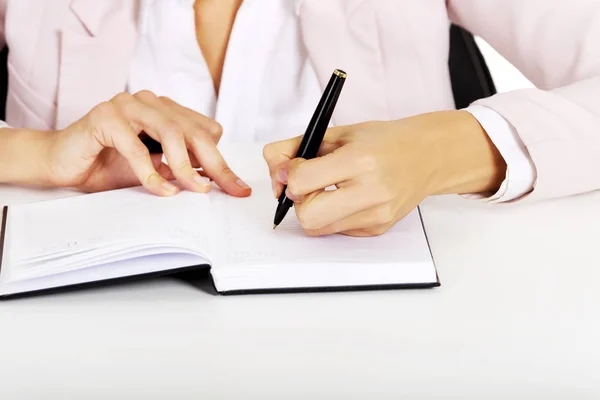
column 103, row 150
column 383, row 170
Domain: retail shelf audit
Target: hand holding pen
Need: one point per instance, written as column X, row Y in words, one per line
column 383, row 170
column 313, row 137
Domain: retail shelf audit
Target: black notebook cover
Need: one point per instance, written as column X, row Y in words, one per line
column 3, row 234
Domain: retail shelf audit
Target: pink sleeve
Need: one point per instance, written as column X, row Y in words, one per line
column 520, row 171
column 554, row 43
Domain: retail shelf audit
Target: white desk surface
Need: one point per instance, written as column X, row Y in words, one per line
column 517, row 316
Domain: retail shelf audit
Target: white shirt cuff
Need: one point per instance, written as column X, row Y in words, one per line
column 520, row 172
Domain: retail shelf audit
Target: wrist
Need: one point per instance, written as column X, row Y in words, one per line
column 24, row 157
column 467, row 159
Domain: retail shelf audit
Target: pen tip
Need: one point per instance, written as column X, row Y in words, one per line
column 274, row 226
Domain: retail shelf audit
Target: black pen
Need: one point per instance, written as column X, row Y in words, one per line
column 313, row 137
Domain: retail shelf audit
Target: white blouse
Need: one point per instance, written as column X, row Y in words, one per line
column 269, row 88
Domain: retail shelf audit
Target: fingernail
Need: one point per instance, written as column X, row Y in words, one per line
column 242, row 184
column 201, row 180
column 169, row 186
column 282, row 175
column 274, row 188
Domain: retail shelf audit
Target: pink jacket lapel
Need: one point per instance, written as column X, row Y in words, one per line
column 94, row 62
column 390, row 50
column 343, row 34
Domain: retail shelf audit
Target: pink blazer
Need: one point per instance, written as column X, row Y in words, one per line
column 68, row 55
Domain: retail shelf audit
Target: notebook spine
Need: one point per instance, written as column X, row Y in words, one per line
column 437, row 277
column 3, row 234
column 333, row 289
column 103, row 282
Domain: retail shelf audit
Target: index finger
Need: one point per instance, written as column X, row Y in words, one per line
column 214, row 165
column 117, row 133
column 279, row 152
column 331, row 169
column 212, row 127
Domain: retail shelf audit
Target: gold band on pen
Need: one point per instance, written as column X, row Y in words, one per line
column 340, row 73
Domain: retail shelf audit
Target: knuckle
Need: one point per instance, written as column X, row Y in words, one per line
column 294, row 185
column 383, row 191
column 201, row 139
column 121, row 97
column 196, row 140
column 104, row 109
column 200, row 135
column 183, row 165
column 311, row 224
column 316, row 232
column 165, row 99
column 172, row 129
column 145, row 95
column 307, row 220
column 296, row 164
column 379, row 230
column 296, row 174
column 268, row 151
column 124, row 103
column 366, row 161
column 216, row 130
column 149, row 178
column 128, row 109
column 384, row 214
column 225, row 170
column 140, row 151
column 303, row 218
column 313, row 232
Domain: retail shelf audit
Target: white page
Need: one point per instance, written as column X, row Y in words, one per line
column 249, row 240
column 116, row 270
column 111, row 220
column 99, row 257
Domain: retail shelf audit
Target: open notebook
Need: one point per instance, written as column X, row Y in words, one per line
column 127, row 233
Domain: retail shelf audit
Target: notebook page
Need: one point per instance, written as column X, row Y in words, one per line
column 98, row 257
column 115, row 220
column 249, row 240
column 117, row 270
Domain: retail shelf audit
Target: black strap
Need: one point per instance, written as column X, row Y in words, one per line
column 469, row 73
column 3, row 82
column 3, row 233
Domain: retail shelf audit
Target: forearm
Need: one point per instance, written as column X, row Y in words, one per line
column 23, row 157
column 468, row 161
